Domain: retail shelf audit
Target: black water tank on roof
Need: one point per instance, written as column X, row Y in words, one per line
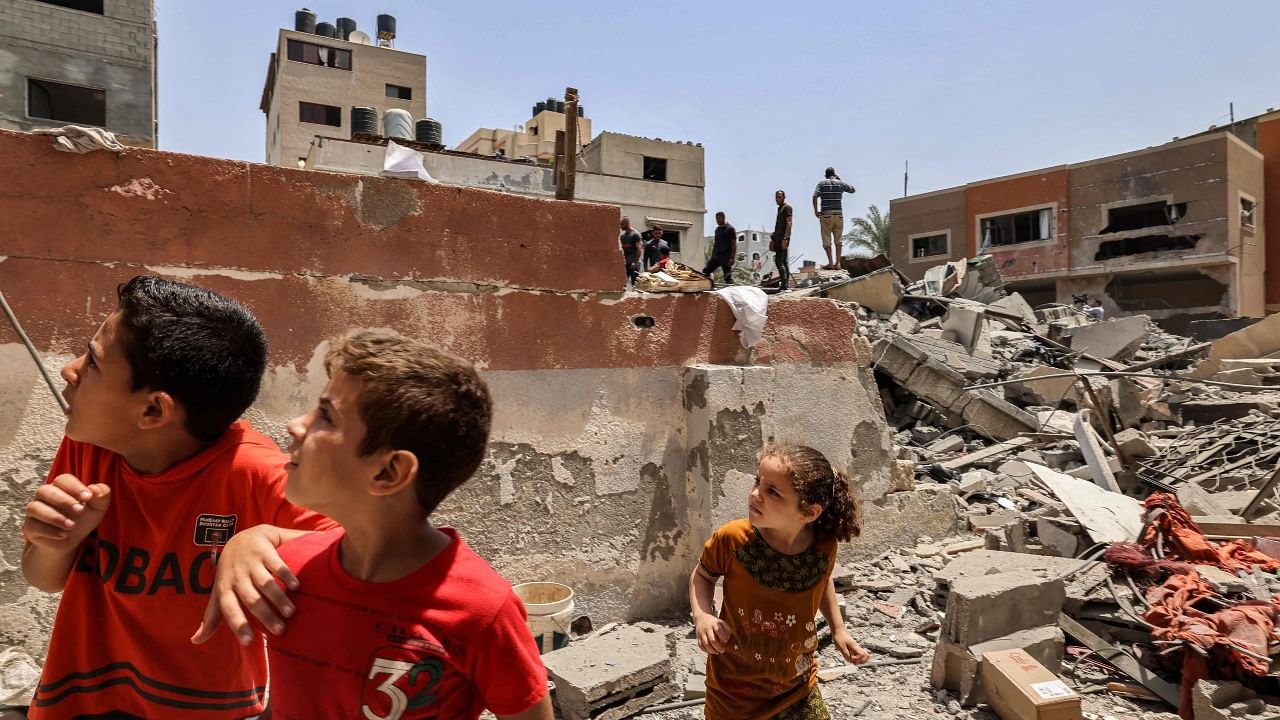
column 304, row 21
column 429, row 132
column 560, row 106
column 346, row 26
column 540, row 107
column 582, row 112
column 364, row 120
column 386, row 26
column 326, row 30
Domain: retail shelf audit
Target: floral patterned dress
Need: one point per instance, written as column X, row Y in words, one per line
column 768, row 670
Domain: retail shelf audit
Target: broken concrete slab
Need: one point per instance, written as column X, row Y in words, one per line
column 1107, row 516
column 1259, row 340
column 1016, row 304
column 1094, row 456
column 1049, row 391
column 1113, row 339
column 1133, row 443
column 878, row 291
column 612, row 675
column 966, row 324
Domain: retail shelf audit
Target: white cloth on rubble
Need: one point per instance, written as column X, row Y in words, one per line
column 77, row 139
column 751, row 310
column 403, row 162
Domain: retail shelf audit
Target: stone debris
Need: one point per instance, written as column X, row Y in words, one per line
column 613, row 674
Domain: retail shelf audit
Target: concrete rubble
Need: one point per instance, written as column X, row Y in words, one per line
column 1051, row 431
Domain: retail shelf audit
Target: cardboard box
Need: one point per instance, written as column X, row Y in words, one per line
column 1019, row 688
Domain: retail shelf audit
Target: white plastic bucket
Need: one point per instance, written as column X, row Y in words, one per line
column 550, row 609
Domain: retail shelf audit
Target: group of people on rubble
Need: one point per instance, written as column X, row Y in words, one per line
column 164, row 514
column 652, row 254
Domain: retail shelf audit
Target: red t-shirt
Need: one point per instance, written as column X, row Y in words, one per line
column 446, row 641
column 121, row 639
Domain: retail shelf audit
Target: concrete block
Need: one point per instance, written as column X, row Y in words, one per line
column 902, row 476
column 990, row 606
column 996, row 418
column 1049, row 391
column 1112, row 339
column 1223, row 700
column 966, row 325
column 938, row 384
column 878, row 291
column 1134, row 443
column 950, row 443
column 612, row 676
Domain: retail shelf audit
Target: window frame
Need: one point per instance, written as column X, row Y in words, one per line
column 644, row 168
column 301, row 119
column 1241, row 198
column 101, row 5
column 911, row 239
column 289, row 43
column 1053, row 230
column 407, row 90
column 26, row 107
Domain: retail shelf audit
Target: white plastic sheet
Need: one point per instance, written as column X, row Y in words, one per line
column 750, row 309
column 403, row 162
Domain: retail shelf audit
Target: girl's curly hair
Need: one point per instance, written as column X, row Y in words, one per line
column 817, row 483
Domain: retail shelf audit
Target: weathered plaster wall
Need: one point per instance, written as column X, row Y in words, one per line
column 596, row 474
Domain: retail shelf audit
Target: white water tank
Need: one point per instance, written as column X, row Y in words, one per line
column 397, row 124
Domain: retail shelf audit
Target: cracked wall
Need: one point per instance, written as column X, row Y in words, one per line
column 609, row 459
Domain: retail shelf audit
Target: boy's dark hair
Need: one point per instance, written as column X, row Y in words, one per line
column 817, row 483
column 417, row 398
column 666, row 251
column 204, row 350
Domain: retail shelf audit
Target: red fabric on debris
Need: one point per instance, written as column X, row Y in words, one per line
column 1185, row 607
column 1184, row 540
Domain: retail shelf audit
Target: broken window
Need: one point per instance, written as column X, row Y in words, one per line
column 320, row 114
column 655, row 169
column 1143, row 215
column 1145, row 244
column 92, row 6
column 66, row 103
column 1247, row 206
column 1020, row 227
column 1165, row 290
column 399, row 91
column 929, row 245
column 313, row 54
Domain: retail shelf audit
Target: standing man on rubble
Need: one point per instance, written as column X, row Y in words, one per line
column 831, row 216
column 653, row 248
column 722, row 251
column 780, row 241
column 631, row 246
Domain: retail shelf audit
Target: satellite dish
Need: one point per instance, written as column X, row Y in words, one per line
column 361, row 37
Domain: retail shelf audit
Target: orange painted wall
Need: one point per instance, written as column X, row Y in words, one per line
column 1269, row 146
column 1018, row 192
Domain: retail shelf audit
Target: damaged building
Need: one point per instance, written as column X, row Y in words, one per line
column 1176, row 232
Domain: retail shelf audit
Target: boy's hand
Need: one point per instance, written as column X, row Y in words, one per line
column 64, row 512
column 713, row 633
column 246, row 578
column 849, row 648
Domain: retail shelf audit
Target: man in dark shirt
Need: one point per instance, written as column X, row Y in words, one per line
column 781, row 238
column 722, row 252
column 653, row 248
column 631, row 245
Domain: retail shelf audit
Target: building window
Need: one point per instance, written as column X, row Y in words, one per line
column 669, row 236
column 320, row 114
column 1123, row 218
column 929, row 245
column 66, row 103
column 91, row 6
column 313, row 54
column 399, row 91
column 1247, row 206
column 1018, row 227
column 655, row 169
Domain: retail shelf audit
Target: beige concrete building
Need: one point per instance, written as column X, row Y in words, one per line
column 314, row 80
column 535, row 139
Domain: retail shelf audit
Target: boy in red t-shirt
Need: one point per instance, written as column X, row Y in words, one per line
column 153, row 475
column 395, row 619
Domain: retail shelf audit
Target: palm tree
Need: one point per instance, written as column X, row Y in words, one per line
column 870, row 233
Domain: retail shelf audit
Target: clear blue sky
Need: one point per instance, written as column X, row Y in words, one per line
column 775, row 92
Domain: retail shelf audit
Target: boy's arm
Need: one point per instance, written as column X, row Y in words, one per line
column 57, row 522
column 248, row 568
column 541, row 711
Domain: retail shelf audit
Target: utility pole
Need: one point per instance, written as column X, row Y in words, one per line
column 567, row 147
column 1232, row 108
column 906, row 170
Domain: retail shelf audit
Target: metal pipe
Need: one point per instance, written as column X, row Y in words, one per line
column 17, row 327
column 1118, row 373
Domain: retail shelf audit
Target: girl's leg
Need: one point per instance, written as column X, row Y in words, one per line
column 810, row 707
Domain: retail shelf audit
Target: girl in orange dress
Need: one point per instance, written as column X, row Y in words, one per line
column 776, row 565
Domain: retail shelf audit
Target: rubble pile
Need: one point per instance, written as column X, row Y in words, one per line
column 1117, row 488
